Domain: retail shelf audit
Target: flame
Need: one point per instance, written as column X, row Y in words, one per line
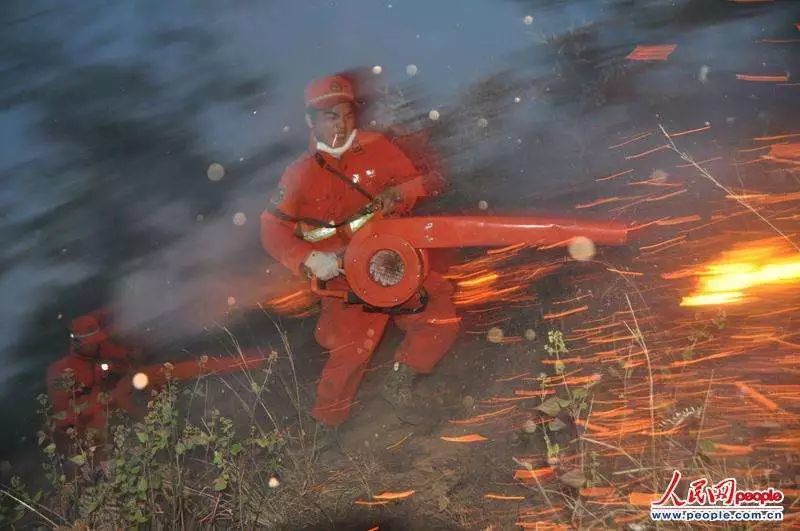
column 741, row 271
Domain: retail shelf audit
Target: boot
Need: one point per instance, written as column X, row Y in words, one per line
column 399, row 385
column 325, row 437
column 316, row 436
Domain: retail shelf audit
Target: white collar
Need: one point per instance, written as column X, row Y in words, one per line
column 337, row 152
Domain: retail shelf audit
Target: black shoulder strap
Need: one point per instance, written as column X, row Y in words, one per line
column 280, row 214
column 325, row 166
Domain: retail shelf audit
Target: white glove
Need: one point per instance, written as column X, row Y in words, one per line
column 323, row 266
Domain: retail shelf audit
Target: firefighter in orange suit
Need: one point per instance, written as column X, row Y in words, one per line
column 344, row 170
column 89, row 379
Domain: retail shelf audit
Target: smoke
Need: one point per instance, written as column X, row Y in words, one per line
column 213, row 269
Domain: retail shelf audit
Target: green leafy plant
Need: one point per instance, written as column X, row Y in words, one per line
column 556, row 344
column 11, row 510
column 155, row 471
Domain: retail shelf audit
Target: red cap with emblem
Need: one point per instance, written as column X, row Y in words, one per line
column 327, row 91
column 87, row 330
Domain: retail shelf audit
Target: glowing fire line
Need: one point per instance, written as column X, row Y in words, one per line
column 740, row 271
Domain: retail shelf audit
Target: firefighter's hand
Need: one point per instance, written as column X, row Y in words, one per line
column 321, row 265
column 123, row 396
column 389, row 199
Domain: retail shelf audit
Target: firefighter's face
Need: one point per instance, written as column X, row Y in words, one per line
column 85, row 349
column 334, row 124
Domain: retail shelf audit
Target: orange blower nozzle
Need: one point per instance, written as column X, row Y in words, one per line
column 386, row 263
column 190, row 369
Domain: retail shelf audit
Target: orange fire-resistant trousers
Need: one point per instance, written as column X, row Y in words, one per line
column 351, row 335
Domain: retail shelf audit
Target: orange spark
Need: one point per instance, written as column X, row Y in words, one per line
column 634, row 139
column 651, row 182
column 580, row 380
column 510, row 248
column 549, row 316
column 629, row 273
column 506, row 399
column 727, row 450
column 481, row 280
column 471, row 438
column 534, row 393
column 652, row 53
column 594, row 428
column 780, row 160
column 718, row 355
column 609, row 177
column 562, row 243
column 491, row 496
column 296, row 304
column 485, row 416
column 766, row 199
column 536, row 473
column 742, row 150
column 512, row 378
column 591, row 359
column 712, row 159
column 649, row 151
column 393, row 495
column 600, row 202
column 401, row 441
column 757, row 397
column 662, row 244
column 690, row 131
column 665, row 196
column 541, row 525
column 766, row 79
column 679, row 221
column 642, row 499
column 775, row 137
column 449, row 320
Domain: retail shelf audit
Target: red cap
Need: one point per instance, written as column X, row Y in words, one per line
column 326, row 92
column 87, row 330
